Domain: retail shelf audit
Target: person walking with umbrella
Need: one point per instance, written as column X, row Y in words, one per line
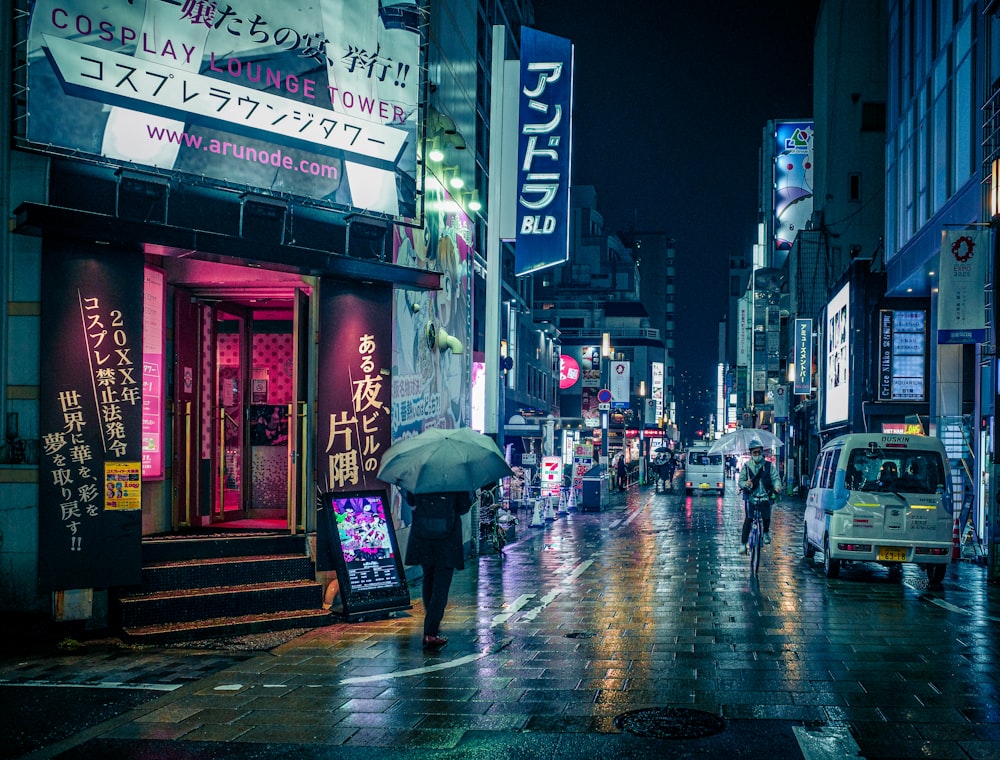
column 437, row 471
column 435, row 543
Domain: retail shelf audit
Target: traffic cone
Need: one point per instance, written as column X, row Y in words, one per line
column 571, row 499
column 956, row 544
column 536, row 514
column 550, row 511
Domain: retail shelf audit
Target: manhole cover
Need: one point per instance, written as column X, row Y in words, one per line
column 670, row 723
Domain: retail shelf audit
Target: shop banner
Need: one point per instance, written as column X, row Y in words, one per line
column 544, row 151
column 90, row 418
column 620, row 384
column 962, row 286
column 316, row 100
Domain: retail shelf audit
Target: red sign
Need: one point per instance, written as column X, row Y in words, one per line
column 569, row 372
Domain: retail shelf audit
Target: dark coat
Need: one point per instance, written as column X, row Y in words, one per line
column 445, row 552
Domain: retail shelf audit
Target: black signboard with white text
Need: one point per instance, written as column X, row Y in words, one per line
column 90, row 417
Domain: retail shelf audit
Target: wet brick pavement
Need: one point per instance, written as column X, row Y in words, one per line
column 649, row 604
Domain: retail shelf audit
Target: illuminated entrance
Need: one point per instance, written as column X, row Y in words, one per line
column 240, row 405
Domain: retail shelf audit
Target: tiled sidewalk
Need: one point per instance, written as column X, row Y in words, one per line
column 646, row 605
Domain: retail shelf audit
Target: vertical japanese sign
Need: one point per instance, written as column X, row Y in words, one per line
column 544, row 151
column 90, row 419
column 355, row 387
column 962, row 286
column 803, row 357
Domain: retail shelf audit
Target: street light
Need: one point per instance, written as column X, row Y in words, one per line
column 605, row 372
column 642, row 432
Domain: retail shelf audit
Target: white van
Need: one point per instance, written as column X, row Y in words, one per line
column 880, row 498
column 704, row 471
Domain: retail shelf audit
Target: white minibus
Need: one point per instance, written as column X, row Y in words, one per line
column 704, row 471
column 880, row 498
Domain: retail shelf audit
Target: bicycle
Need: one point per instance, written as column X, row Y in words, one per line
column 756, row 538
column 494, row 519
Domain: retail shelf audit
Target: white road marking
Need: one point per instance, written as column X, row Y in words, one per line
column 953, row 608
column 97, row 685
column 503, row 617
column 458, row 661
column 827, row 743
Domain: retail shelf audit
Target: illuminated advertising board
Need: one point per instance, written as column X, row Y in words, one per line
column 569, row 372
column 793, row 184
column 153, row 350
column 902, row 355
column 656, row 369
column 356, row 537
column 544, row 151
column 803, row 357
column 836, row 399
column 314, row 100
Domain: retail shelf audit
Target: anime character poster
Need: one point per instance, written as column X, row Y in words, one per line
column 431, row 386
column 793, row 185
column 431, row 380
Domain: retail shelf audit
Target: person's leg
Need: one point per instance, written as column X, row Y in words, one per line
column 436, row 597
column 765, row 513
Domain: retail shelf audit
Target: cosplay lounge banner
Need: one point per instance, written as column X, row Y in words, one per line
column 317, row 100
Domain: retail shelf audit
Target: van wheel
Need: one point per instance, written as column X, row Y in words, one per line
column 831, row 566
column 896, row 573
column 936, row 573
column 808, row 550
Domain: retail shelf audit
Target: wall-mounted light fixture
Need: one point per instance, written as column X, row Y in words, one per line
column 434, row 151
column 455, row 140
column 452, row 178
column 438, row 337
column 474, row 204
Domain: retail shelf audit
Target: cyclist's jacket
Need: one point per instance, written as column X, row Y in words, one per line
column 760, row 482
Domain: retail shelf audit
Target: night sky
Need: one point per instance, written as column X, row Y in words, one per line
column 671, row 101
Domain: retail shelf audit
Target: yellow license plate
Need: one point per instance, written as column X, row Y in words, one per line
column 703, row 485
column 892, row 554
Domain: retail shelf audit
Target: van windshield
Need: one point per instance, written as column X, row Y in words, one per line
column 910, row 471
column 704, row 459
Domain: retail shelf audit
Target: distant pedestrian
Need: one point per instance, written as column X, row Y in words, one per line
column 435, row 544
column 622, row 473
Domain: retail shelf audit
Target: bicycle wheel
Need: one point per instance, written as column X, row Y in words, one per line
column 499, row 536
column 755, row 541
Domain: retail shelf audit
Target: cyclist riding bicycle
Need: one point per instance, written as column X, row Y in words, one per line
column 760, row 483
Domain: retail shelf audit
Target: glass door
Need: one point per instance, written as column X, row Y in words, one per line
column 231, row 354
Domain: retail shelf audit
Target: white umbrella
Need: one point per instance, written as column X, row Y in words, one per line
column 443, row 460
column 738, row 442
